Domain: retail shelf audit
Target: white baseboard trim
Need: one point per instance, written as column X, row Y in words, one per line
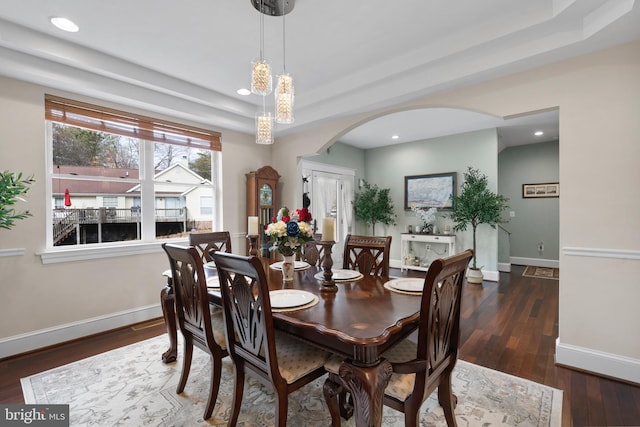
column 45, row 337
column 607, row 364
column 504, row 267
column 490, row 275
column 536, row 262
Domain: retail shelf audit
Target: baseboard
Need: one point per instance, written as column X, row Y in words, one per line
column 536, row 262
column 504, row 267
column 490, row 276
column 601, row 363
column 46, row 337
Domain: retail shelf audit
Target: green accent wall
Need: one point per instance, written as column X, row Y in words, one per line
column 536, row 219
column 387, row 167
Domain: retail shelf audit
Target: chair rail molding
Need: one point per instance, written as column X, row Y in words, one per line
column 601, row 252
column 12, row 252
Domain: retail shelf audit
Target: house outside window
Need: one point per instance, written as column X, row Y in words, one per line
column 132, row 181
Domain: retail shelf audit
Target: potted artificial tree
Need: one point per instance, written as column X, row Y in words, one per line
column 475, row 205
column 373, row 205
column 12, row 188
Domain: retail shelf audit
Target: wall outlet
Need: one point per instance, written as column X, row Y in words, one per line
column 540, row 247
column 427, row 247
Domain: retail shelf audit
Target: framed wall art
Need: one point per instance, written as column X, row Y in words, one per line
column 430, row 191
column 545, row 189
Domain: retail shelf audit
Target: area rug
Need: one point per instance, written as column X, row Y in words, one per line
column 542, row 272
column 130, row 386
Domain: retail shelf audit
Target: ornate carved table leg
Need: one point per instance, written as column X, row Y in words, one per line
column 366, row 384
column 167, row 302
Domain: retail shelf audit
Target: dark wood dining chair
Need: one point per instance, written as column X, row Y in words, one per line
column 313, row 252
column 200, row 325
column 277, row 360
column 205, row 243
column 418, row 369
column 367, row 254
column 208, row 242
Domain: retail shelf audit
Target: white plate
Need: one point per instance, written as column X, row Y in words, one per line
column 287, row 298
column 342, row 274
column 407, row 285
column 297, row 265
column 210, row 264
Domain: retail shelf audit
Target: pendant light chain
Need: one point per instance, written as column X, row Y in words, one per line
column 261, row 32
column 284, row 85
column 284, row 38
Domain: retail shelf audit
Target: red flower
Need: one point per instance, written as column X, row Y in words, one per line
column 274, row 219
column 286, row 219
column 304, row 215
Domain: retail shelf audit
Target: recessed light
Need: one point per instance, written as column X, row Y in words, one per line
column 539, row 133
column 395, row 137
column 64, row 24
column 243, row 92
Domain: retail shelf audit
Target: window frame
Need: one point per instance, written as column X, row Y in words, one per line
column 148, row 242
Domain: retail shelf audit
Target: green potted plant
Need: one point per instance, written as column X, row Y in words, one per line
column 373, row 205
column 475, row 205
column 12, row 188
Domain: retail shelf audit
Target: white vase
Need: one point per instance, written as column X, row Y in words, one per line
column 474, row 275
column 288, row 268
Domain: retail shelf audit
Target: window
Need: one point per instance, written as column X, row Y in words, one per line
column 206, row 205
column 109, row 201
column 118, row 177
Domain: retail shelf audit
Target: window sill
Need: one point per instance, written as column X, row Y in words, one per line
column 54, row 256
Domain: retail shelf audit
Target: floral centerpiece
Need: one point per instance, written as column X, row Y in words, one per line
column 290, row 230
column 428, row 217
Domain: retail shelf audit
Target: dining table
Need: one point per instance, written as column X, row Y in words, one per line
column 360, row 321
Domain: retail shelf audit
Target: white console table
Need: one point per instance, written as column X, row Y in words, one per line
column 426, row 247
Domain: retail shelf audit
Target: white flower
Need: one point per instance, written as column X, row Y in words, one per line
column 426, row 216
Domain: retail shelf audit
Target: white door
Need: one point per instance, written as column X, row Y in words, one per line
column 331, row 196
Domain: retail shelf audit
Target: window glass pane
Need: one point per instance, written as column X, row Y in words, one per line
column 79, row 151
column 98, row 182
column 182, row 178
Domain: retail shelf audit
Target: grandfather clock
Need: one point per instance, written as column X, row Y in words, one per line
column 262, row 201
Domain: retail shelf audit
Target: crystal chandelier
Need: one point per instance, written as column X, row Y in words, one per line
column 261, row 78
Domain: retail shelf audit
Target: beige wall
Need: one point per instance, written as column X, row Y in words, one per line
column 599, row 100
column 44, row 304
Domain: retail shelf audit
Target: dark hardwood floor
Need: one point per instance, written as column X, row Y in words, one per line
column 510, row 326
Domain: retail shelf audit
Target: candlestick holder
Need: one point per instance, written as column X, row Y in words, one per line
column 328, row 284
column 253, row 244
